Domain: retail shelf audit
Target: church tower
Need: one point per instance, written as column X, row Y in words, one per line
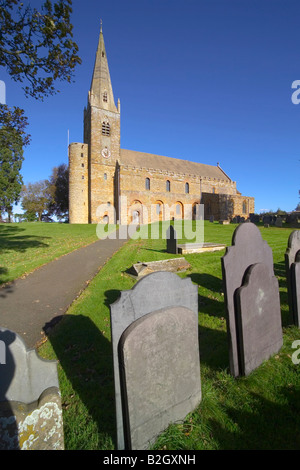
column 101, row 149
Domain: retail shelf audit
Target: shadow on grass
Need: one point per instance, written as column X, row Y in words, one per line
column 267, row 426
column 213, row 346
column 85, row 356
column 12, row 239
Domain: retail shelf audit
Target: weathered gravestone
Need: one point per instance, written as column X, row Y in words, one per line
column 30, row 402
column 156, row 357
column 248, row 248
column 292, row 256
column 258, row 318
column 171, row 240
column 296, row 281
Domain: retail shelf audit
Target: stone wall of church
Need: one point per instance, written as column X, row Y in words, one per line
column 78, row 183
column 227, row 206
column 149, row 195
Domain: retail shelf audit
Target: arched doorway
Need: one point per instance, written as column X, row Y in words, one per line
column 179, row 210
column 136, row 212
column 159, row 213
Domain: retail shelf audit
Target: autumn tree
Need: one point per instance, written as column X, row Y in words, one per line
column 36, row 198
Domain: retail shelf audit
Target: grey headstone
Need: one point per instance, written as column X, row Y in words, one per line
column 171, row 240
column 247, row 248
column 30, row 402
column 292, row 250
column 296, row 288
column 160, row 373
column 259, row 329
column 278, row 222
column 154, row 292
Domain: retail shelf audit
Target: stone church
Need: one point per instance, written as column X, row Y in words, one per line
column 111, row 184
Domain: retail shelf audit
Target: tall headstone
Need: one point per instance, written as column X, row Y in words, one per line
column 292, row 256
column 30, row 402
column 296, row 287
column 258, row 318
column 155, row 292
column 247, row 248
column 160, row 373
column 171, row 236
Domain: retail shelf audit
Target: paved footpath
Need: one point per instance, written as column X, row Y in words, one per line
column 28, row 306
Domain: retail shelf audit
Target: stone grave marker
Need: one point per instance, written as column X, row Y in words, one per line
column 296, row 287
column 30, row 402
column 258, row 318
column 171, row 240
column 247, row 248
column 160, row 373
column 292, row 257
column 157, row 292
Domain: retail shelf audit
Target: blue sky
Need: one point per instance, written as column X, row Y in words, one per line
column 203, row 80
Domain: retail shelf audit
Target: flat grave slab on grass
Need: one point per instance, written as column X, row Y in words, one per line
column 187, row 248
column 141, row 269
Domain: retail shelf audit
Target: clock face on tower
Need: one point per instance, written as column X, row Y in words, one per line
column 106, row 153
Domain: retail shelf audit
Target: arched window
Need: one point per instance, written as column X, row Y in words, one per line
column 105, row 176
column 105, row 128
column 187, row 188
column 105, row 96
column 168, row 186
column 147, row 184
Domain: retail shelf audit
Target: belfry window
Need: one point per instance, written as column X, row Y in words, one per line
column 187, row 188
column 105, row 128
column 147, row 184
column 168, row 186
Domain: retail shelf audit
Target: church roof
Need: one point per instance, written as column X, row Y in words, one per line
column 168, row 164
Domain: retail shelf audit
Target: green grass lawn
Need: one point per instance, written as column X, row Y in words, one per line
column 26, row 246
column 261, row 411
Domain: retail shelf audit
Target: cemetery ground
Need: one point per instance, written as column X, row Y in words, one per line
column 28, row 245
column 260, row 411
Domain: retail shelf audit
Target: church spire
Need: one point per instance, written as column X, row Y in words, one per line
column 101, row 93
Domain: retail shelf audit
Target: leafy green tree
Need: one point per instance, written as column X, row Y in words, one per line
column 13, row 138
column 59, row 185
column 37, row 47
column 37, row 50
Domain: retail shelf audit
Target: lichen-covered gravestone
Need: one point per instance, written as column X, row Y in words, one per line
column 30, row 402
column 292, row 258
column 248, row 248
column 156, row 357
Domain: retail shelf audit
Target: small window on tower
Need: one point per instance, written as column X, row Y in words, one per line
column 147, row 184
column 105, row 96
column 103, row 54
column 105, row 176
column 105, row 128
column 168, row 186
